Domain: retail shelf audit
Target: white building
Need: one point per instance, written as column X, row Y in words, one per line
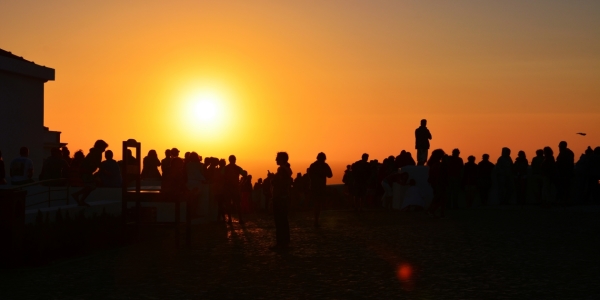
column 22, row 110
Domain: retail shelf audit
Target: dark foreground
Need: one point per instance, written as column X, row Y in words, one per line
column 524, row 253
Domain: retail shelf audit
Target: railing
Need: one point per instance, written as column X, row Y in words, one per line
column 54, row 185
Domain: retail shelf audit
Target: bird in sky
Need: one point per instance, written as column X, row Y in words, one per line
column 581, row 133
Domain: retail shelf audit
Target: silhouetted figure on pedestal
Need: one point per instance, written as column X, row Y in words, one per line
column 319, row 171
column 565, row 163
column 521, row 168
column 422, row 137
column 281, row 184
column 484, row 178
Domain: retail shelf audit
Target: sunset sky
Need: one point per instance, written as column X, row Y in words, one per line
column 251, row 78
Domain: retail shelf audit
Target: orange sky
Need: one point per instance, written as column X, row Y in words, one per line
column 343, row 77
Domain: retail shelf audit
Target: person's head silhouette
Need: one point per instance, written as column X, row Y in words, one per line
column 455, row 152
column 423, row 122
column 562, row 145
column 471, row 159
column 282, row 158
column 65, row 151
column 152, row 153
column 505, row 151
column 168, row 153
column 521, row 154
column 321, row 156
column 175, row 152
column 101, row 145
column 365, row 157
column 548, row 152
column 486, row 157
column 539, row 153
column 108, row 155
column 232, row 159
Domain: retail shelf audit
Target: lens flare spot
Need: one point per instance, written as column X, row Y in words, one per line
column 405, row 272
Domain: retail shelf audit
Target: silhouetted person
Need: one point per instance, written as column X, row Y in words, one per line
column 110, row 173
column 246, row 189
column 504, row 174
column 267, row 191
column 150, row 166
column 537, row 178
column 281, row 183
column 361, row 171
column 596, row 176
column 409, row 160
column 54, row 167
column 584, row 175
column 565, row 163
column 455, row 166
column 348, row 180
column 484, row 178
column 404, row 159
column 437, row 180
column 470, row 177
column 131, row 161
column 66, row 154
column 298, row 188
column 90, row 164
column 195, row 178
column 218, row 188
column 422, row 137
column 521, row 168
column 165, row 165
column 2, row 171
column 232, row 187
column 21, row 168
column 550, row 175
column 176, row 182
column 319, row 171
column 74, row 173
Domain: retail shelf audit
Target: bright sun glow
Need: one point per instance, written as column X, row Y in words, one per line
column 205, row 111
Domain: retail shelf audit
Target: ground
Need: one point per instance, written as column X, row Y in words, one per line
column 500, row 253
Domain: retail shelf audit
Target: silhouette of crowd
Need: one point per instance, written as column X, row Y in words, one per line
column 366, row 183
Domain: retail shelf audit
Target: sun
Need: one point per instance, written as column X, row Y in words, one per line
column 206, row 109
column 205, row 112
